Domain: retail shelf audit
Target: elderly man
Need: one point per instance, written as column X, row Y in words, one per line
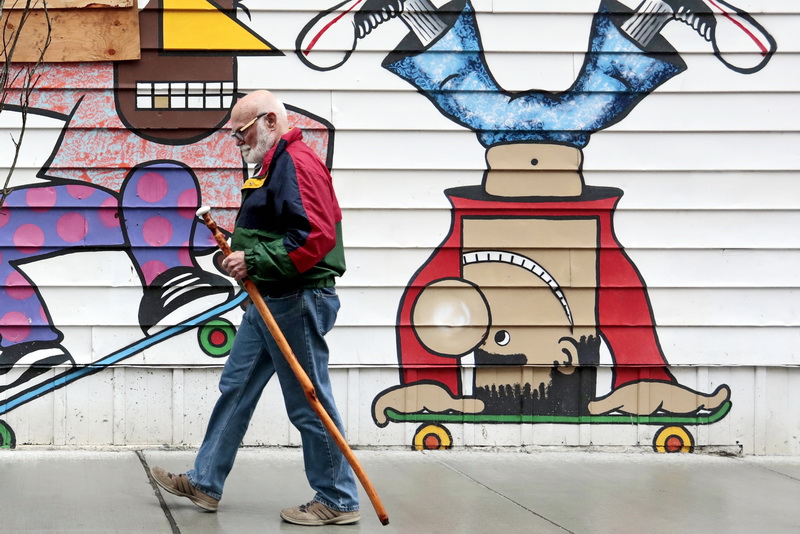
column 287, row 240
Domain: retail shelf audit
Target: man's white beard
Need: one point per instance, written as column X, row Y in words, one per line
column 256, row 154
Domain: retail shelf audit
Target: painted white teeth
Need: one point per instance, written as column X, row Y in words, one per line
column 184, row 95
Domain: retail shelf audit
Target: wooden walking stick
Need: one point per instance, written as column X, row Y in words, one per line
column 300, row 373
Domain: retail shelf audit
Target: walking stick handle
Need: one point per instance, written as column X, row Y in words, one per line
column 300, row 373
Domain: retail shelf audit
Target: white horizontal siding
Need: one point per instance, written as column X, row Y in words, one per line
column 374, row 346
column 377, row 307
column 373, row 268
column 708, row 165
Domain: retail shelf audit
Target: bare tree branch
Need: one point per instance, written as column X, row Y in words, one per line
column 21, row 78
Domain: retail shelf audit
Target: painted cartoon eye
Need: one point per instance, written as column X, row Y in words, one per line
column 502, row 338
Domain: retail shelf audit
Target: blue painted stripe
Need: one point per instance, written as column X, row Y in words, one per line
column 119, row 355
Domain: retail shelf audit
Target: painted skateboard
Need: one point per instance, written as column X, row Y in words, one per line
column 215, row 337
column 673, row 436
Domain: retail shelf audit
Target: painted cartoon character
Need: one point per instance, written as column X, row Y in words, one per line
column 531, row 275
column 143, row 143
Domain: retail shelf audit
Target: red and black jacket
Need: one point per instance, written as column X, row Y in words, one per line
column 290, row 225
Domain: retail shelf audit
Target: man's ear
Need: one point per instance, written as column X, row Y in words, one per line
column 272, row 119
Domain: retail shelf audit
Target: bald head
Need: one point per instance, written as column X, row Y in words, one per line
column 263, row 117
column 258, row 103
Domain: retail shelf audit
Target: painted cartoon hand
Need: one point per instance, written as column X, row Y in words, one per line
column 646, row 398
column 415, row 398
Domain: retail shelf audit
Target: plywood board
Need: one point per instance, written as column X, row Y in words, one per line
column 76, row 35
column 62, row 4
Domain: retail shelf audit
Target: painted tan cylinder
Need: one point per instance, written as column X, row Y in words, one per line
column 531, row 169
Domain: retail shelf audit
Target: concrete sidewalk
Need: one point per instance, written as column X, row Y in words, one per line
column 454, row 492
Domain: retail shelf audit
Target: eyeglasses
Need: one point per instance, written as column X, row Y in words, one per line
column 239, row 134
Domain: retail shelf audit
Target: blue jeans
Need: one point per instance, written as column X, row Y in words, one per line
column 304, row 316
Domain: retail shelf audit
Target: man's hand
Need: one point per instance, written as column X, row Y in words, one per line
column 235, row 265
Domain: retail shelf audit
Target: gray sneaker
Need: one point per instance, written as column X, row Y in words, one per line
column 315, row 513
column 179, row 485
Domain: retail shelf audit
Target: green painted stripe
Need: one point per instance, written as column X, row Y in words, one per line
column 561, row 419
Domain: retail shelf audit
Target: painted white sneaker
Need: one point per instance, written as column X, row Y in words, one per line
column 739, row 41
column 327, row 41
column 27, row 365
column 180, row 293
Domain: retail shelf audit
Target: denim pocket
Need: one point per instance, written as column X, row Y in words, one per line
column 327, row 304
column 289, row 295
column 287, row 308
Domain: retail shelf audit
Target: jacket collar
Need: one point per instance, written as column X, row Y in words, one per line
column 294, row 134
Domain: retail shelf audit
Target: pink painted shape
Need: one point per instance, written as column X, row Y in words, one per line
column 187, row 204
column 183, row 255
column 41, row 198
column 14, row 327
column 152, row 187
column 17, row 287
column 72, row 227
column 81, row 192
column 151, row 269
column 28, row 238
column 157, row 231
column 109, row 213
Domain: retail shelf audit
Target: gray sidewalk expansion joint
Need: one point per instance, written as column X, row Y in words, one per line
column 168, row 515
column 502, row 496
column 766, row 468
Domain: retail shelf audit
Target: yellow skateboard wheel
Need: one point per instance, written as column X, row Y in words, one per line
column 673, row 439
column 432, row 437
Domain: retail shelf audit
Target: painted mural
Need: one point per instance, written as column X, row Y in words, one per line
column 506, row 320
column 532, row 278
column 143, row 145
